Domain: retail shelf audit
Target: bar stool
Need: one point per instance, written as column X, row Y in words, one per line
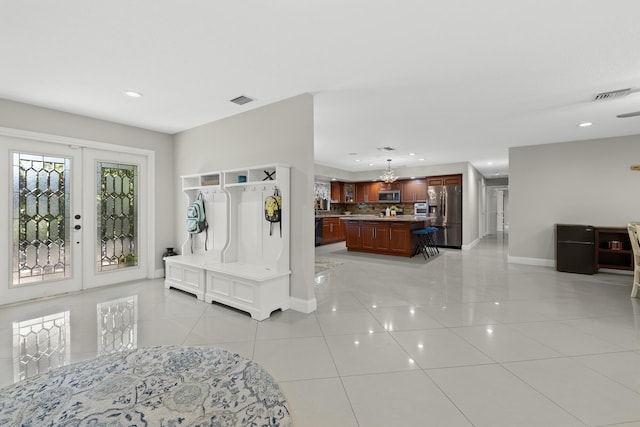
column 426, row 242
column 432, row 240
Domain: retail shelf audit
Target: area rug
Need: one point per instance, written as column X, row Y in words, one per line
column 323, row 264
column 168, row 386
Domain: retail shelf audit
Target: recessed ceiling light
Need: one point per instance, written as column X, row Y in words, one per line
column 585, row 124
column 333, row 179
column 422, row 160
column 133, row 94
column 489, row 163
column 412, row 154
column 357, row 160
column 413, row 177
column 370, row 164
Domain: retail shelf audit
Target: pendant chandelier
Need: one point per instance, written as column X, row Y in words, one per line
column 388, row 176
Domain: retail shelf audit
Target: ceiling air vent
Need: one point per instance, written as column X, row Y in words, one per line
column 241, row 100
column 387, row 148
column 603, row 96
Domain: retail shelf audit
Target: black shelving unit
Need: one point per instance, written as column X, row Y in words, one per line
column 611, row 255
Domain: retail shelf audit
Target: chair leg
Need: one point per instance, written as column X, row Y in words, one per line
column 636, row 283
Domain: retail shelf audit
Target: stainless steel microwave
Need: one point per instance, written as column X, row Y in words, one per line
column 389, row 195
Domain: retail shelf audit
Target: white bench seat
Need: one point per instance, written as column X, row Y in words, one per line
column 256, row 289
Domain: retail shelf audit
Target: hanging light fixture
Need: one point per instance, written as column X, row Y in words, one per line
column 388, row 176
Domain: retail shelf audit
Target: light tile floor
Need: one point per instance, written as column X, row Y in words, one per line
column 463, row 339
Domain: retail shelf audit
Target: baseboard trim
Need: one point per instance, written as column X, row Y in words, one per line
column 303, row 305
column 540, row 262
column 158, row 273
column 470, row 245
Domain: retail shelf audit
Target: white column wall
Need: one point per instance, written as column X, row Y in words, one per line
column 277, row 133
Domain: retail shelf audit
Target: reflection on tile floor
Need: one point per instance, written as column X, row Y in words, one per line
column 460, row 339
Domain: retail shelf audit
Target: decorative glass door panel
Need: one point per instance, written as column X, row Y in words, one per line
column 41, row 222
column 76, row 218
column 117, row 216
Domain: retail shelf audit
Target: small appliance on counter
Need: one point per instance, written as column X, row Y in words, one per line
column 420, row 209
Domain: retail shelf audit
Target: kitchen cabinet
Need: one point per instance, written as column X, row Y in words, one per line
column 352, row 231
column 385, row 236
column 367, row 192
column 613, row 248
column 349, row 192
column 400, row 239
column 375, row 235
column 332, row 230
column 414, row 190
column 337, row 191
column 445, row 180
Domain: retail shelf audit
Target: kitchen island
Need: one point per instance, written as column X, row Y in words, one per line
column 389, row 235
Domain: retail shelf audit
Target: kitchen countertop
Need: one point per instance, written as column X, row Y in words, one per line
column 399, row 218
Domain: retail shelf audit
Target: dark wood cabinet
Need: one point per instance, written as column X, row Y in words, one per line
column 387, row 237
column 337, row 192
column 411, row 191
column 414, row 190
column 352, row 231
column 332, row 230
column 375, row 235
column 367, row 192
column 348, row 192
column 613, row 248
column 445, row 180
column 400, row 239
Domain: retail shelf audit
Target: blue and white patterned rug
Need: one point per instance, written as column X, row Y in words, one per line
column 172, row 386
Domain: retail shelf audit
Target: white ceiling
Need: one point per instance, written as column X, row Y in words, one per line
column 457, row 80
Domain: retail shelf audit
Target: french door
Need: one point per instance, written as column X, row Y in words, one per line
column 75, row 218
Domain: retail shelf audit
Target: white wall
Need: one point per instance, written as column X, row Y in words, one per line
column 578, row 182
column 36, row 119
column 277, row 133
column 471, row 187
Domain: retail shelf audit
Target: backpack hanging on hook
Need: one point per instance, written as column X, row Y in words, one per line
column 197, row 220
column 273, row 210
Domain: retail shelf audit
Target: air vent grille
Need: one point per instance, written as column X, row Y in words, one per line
column 603, row 96
column 387, row 148
column 241, row 100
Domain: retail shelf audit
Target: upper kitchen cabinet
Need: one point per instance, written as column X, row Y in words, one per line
column 445, row 180
column 337, row 191
column 349, row 192
column 414, row 190
column 367, row 192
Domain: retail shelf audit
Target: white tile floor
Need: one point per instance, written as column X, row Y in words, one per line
column 463, row 339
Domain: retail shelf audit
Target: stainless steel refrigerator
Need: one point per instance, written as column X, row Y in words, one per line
column 445, row 212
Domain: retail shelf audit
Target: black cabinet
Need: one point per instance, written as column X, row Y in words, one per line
column 575, row 248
